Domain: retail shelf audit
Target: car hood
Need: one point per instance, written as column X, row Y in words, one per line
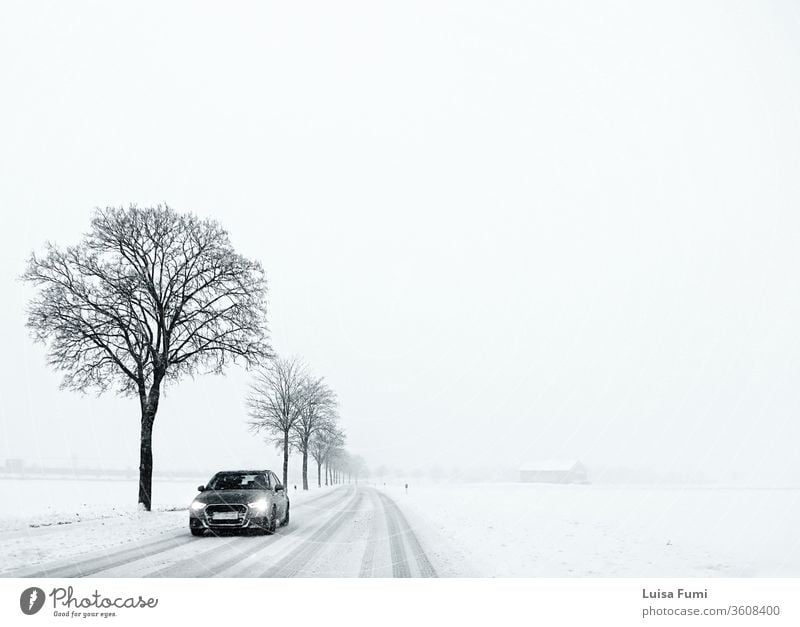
column 231, row 496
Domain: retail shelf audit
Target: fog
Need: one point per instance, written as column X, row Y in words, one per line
column 503, row 231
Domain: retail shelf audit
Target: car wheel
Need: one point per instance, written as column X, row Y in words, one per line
column 285, row 520
column 197, row 531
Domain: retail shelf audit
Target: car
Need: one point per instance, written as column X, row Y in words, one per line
column 239, row 500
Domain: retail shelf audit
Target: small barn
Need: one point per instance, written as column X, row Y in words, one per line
column 553, row 471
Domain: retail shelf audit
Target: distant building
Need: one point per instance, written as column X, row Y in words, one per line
column 564, row 471
column 15, row 465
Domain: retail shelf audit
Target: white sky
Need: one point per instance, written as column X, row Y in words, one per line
column 502, row 230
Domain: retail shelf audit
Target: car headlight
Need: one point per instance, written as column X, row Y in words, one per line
column 197, row 505
column 260, row 505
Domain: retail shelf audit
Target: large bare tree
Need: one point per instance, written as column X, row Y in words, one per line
column 147, row 295
column 275, row 402
column 317, row 410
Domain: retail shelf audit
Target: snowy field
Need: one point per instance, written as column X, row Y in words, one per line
column 47, row 501
column 502, row 530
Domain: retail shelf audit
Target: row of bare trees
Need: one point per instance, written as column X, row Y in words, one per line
column 150, row 295
column 294, row 409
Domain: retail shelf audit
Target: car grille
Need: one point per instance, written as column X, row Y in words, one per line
column 221, row 515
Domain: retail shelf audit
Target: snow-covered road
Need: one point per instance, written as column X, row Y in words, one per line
column 349, row 531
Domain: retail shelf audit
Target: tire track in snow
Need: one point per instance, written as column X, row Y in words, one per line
column 342, row 555
column 253, row 564
column 93, row 565
column 367, row 562
column 200, row 564
column 397, row 548
column 399, row 528
column 293, row 564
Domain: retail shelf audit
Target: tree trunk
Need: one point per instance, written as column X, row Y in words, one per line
column 305, row 468
column 326, row 473
column 149, row 405
column 319, row 474
column 146, row 463
column 286, row 460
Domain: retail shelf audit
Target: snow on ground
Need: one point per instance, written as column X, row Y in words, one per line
column 518, row 530
column 490, row 530
column 49, row 501
column 48, row 520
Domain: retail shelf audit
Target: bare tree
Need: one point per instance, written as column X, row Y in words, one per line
column 275, row 402
column 318, row 408
column 148, row 295
column 329, row 437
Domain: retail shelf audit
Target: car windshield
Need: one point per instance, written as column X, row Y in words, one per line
column 238, row 481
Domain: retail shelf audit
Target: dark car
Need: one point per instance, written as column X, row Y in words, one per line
column 240, row 500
